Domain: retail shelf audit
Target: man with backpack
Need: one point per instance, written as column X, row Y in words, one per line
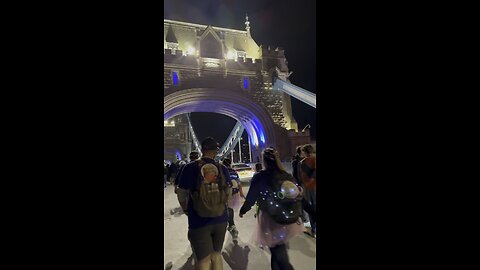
column 203, row 193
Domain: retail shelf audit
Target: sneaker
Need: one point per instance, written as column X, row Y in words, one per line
column 234, row 234
column 307, row 224
column 233, row 231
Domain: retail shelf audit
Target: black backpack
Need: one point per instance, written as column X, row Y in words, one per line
column 281, row 209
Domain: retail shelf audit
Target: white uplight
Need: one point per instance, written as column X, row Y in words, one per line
column 191, row 50
column 230, row 55
column 167, row 123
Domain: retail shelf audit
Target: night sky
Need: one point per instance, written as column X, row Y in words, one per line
column 287, row 24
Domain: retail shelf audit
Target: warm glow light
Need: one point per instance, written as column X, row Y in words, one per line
column 191, row 50
column 167, row 123
column 230, row 55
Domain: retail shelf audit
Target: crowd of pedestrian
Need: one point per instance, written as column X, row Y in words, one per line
column 210, row 192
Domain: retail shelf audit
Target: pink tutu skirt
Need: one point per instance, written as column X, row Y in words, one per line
column 235, row 202
column 268, row 233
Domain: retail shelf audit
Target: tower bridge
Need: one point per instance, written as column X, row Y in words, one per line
column 220, row 70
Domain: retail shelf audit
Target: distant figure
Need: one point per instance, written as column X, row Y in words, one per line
column 173, row 172
column 234, row 202
column 194, row 155
column 258, row 167
column 308, row 177
column 307, row 167
column 296, row 159
column 165, row 172
column 169, row 172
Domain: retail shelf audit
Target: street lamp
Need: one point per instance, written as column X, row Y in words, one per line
column 308, row 125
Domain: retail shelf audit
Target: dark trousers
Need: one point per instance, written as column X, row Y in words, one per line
column 230, row 217
column 280, row 258
column 311, row 197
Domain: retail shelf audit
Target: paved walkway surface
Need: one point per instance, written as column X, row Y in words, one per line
column 245, row 255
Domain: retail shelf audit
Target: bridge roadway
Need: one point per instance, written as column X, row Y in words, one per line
column 177, row 251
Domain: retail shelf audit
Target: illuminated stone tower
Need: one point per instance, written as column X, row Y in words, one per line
column 211, row 64
column 177, row 140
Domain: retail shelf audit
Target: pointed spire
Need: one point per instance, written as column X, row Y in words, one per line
column 247, row 24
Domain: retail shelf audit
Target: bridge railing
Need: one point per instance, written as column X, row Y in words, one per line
column 232, row 140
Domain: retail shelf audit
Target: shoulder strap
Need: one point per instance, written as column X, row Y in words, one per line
column 221, row 175
column 200, row 163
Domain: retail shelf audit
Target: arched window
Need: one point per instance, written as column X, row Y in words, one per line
column 241, row 55
column 211, row 48
column 175, row 79
column 246, row 83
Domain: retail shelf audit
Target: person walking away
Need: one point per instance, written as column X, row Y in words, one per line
column 307, row 173
column 296, row 159
column 173, row 171
column 205, row 183
column 295, row 164
column 258, row 167
column 234, row 202
column 165, row 172
column 169, row 171
column 279, row 200
column 180, row 165
column 194, row 155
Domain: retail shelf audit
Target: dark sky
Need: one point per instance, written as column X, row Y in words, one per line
column 287, row 24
